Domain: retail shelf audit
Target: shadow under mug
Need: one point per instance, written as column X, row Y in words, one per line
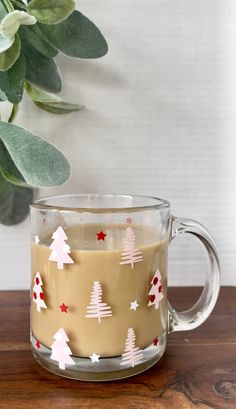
column 99, row 308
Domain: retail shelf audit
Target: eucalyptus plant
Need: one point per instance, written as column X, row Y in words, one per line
column 31, row 35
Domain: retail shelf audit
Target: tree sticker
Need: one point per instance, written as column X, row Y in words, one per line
column 132, row 353
column 60, row 250
column 97, row 308
column 130, row 255
column 155, row 293
column 60, row 350
column 38, row 295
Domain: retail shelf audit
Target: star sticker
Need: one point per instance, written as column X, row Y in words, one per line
column 36, row 239
column 94, row 358
column 37, row 344
column 64, row 308
column 155, row 342
column 101, row 235
column 134, row 305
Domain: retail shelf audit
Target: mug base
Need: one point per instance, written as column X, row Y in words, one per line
column 106, row 369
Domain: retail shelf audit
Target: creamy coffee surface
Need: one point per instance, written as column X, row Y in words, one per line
column 123, row 266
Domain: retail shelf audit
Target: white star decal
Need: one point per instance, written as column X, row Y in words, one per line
column 134, row 305
column 36, row 240
column 94, row 358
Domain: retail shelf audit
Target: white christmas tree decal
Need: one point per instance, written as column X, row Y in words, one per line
column 97, row 308
column 130, row 255
column 132, row 353
column 38, row 295
column 60, row 350
column 60, row 249
column 155, row 293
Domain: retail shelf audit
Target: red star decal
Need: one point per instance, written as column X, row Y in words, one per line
column 64, row 307
column 155, row 342
column 37, row 344
column 101, row 235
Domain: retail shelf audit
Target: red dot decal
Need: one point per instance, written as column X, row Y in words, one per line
column 155, row 281
column 41, row 296
column 160, row 289
column 37, row 280
column 35, row 295
column 152, row 298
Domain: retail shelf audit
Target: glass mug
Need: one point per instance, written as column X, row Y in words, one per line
column 99, row 308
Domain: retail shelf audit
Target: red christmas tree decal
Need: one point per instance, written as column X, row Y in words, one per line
column 130, row 255
column 155, row 293
column 60, row 350
column 60, row 249
column 38, row 295
column 97, row 308
column 132, row 353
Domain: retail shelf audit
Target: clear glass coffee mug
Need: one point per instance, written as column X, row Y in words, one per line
column 99, row 308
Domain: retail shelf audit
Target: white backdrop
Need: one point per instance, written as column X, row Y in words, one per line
column 160, row 120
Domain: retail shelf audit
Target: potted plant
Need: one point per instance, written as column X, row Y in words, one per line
column 31, row 35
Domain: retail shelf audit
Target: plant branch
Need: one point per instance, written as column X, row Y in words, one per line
column 17, row 3
column 14, row 112
column 8, row 5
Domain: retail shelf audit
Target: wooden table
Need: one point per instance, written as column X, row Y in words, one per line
column 197, row 371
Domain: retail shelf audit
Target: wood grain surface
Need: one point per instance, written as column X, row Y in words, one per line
column 197, row 371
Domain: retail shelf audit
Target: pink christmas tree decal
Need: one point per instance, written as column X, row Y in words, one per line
column 60, row 350
column 97, row 308
column 132, row 353
column 155, row 293
column 130, row 255
column 60, row 249
column 38, row 295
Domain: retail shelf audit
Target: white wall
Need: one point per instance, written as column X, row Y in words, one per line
column 160, row 121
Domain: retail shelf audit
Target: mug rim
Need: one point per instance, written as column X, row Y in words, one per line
column 153, row 203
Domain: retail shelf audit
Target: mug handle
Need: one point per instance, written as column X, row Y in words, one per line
column 196, row 315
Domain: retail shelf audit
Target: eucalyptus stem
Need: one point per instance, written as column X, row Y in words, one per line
column 8, row 5
column 17, row 3
column 14, row 112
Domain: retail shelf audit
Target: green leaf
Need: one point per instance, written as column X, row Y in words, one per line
column 40, row 70
column 77, row 37
column 9, row 57
column 3, row 11
column 51, row 11
column 59, row 107
column 14, row 202
column 5, row 43
column 12, row 21
column 12, row 81
column 36, row 38
column 3, row 96
column 39, row 162
column 38, row 95
column 8, row 169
